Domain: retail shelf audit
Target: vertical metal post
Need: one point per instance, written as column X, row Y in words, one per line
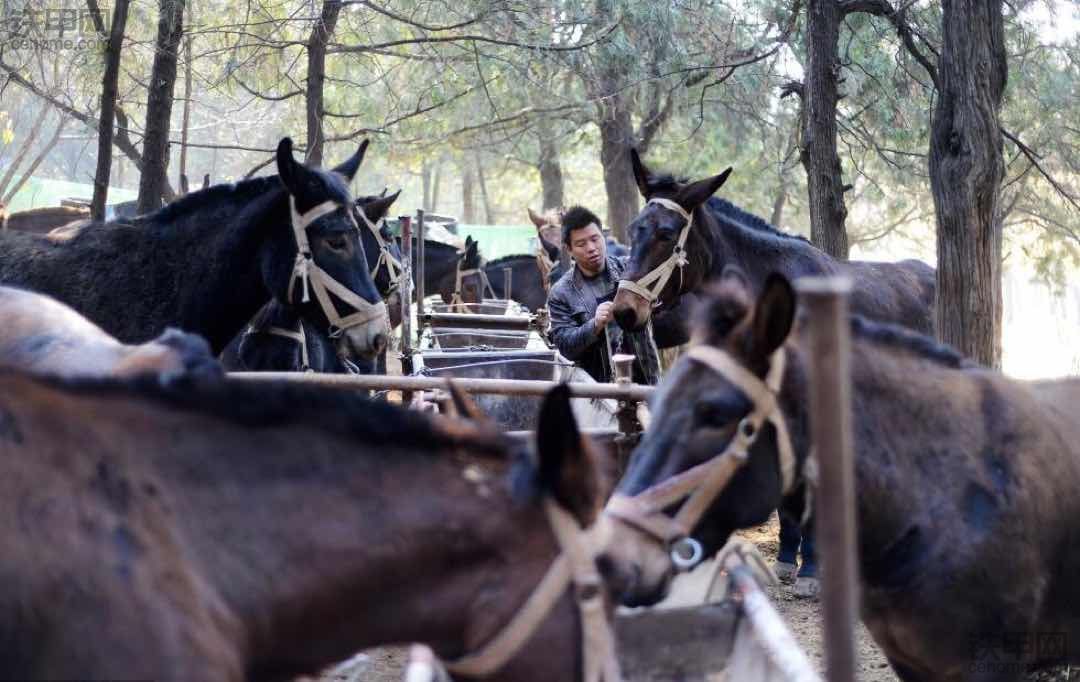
column 508, row 275
column 406, row 303
column 421, row 258
column 826, row 300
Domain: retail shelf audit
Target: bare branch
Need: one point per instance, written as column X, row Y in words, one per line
column 1034, row 159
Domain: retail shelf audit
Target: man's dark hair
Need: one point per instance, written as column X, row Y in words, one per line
column 575, row 218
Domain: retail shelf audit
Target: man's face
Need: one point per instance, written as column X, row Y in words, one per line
column 588, row 249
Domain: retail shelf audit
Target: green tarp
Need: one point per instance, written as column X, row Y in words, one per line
column 39, row 192
column 497, row 241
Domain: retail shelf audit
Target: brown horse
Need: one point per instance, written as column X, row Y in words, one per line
column 680, row 223
column 966, row 481
column 229, row 531
column 43, row 220
column 42, row 335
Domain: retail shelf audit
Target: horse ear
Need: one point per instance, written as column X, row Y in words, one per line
column 206, row 181
column 735, row 274
column 641, row 173
column 697, row 193
column 774, row 315
column 378, row 208
column 538, row 221
column 383, row 192
column 288, row 168
column 184, row 187
column 466, row 407
column 349, row 168
column 566, row 470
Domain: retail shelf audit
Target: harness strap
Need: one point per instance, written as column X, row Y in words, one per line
column 456, row 299
column 300, row 337
column 700, row 485
column 311, row 276
column 393, row 265
column 651, row 284
column 576, row 565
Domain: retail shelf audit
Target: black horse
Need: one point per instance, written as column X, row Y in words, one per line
column 208, row 261
column 279, row 339
column 722, row 234
column 526, row 285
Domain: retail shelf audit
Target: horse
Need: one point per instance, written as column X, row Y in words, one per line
column 278, row 338
column 206, row 263
column 42, row 220
column 223, row 531
column 527, row 287
column 455, row 275
column 45, row 336
column 683, row 237
column 965, row 480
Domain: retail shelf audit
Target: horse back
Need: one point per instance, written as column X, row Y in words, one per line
column 902, row 293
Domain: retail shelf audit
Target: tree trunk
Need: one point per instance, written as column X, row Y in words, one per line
column 187, row 93
column 108, row 102
column 435, row 186
column 488, row 212
column 425, row 176
column 468, row 207
column 823, row 179
column 551, row 176
column 38, row 158
column 616, row 141
column 966, row 170
column 316, row 79
column 153, row 185
column 778, row 207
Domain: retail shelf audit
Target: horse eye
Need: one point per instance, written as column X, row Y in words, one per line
column 665, row 234
column 711, row 415
column 337, row 243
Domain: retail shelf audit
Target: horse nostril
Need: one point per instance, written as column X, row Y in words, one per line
column 378, row 344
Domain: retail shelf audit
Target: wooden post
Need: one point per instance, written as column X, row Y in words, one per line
column 406, row 303
column 421, row 293
column 508, row 274
column 826, row 300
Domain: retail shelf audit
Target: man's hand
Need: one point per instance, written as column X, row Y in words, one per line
column 603, row 315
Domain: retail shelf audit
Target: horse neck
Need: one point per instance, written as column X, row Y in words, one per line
column 440, row 270
column 758, row 252
column 326, row 553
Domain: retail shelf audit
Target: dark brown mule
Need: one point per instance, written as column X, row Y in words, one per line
column 722, row 234
column 43, row 220
column 965, row 483
column 42, row 335
column 259, row 532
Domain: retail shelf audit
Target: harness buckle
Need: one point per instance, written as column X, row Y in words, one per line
column 686, row 553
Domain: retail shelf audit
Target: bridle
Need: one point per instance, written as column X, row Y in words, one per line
column 299, row 335
column 313, row 277
column 456, row 300
column 649, row 285
column 575, row 568
column 698, row 487
column 386, row 256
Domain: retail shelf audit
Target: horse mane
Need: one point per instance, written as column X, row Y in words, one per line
column 277, row 404
column 727, row 305
column 896, row 336
column 503, row 260
column 189, row 203
column 729, row 210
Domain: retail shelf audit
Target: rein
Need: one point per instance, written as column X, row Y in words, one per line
column 313, row 277
column 697, row 488
column 575, row 567
column 649, row 285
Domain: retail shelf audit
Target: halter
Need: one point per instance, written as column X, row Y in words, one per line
column 393, row 265
column 545, row 265
column 652, row 283
column 485, row 286
column 700, row 485
column 314, row 277
column 574, row 567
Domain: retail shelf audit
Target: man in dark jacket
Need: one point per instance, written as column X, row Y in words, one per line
column 580, row 305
